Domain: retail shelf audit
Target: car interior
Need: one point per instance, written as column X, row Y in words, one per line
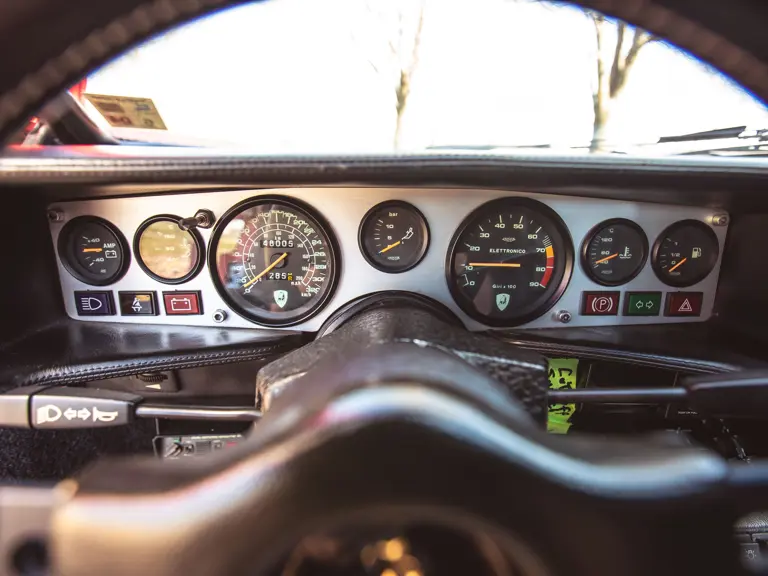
column 453, row 360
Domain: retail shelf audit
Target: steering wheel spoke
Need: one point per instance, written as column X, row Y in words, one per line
column 402, row 432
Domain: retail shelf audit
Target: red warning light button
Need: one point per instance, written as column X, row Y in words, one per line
column 684, row 304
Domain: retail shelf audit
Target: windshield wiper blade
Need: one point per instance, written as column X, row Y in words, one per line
column 718, row 133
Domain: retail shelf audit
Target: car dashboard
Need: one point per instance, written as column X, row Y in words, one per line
column 289, row 258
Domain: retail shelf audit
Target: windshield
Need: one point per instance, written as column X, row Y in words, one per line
column 379, row 76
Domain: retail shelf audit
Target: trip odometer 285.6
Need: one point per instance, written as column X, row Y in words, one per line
column 273, row 261
column 510, row 261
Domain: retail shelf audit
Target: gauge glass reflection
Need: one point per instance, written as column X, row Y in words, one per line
column 166, row 252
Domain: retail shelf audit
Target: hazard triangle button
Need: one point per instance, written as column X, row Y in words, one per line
column 683, row 304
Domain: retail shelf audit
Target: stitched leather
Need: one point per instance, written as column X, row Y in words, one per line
column 71, row 352
column 108, row 28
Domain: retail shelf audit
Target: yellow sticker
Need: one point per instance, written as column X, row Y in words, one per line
column 562, row 375
column 127, row 111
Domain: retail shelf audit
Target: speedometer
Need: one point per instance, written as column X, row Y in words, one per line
column 273, row 261
column 509, row 262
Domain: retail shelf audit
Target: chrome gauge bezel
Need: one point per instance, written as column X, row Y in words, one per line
column 667, row 232
column 332, row 247
column 365, row 222
column 562, row 276
column 591, row 236
column 65, row 250
column 196, row 237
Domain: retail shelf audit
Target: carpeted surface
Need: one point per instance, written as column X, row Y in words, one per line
column 34, row 455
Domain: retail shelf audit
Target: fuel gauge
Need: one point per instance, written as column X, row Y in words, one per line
column 685, row 253
column 394, row 237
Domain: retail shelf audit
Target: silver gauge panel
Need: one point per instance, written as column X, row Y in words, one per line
column 344, row 208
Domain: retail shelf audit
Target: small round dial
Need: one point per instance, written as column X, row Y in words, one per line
column 394, row 236
column 93, row 251
column 685, row 253
column 273, row 261
column 510, row 261
column 166, row 252
column 614, row 252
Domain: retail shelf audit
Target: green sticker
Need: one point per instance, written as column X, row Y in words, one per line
column 562, row 375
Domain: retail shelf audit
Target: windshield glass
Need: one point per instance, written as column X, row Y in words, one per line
column 373, row 76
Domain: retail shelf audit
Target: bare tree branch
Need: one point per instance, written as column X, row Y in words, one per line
column 617, row 67
column 610, row 84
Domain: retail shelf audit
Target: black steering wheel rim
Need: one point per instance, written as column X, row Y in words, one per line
column 340, row 453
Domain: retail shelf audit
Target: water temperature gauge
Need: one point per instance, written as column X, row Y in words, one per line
column 394, row 237
column 615, row 252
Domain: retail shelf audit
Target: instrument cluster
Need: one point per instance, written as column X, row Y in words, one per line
column 290, row 257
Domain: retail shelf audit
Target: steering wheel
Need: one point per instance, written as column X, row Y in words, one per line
column 395, row 421
column 390, row 424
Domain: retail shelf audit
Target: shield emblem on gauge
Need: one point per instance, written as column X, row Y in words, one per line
column 281, row 298
column 502, row 301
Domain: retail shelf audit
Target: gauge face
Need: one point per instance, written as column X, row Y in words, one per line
column 510, row 261
column 273, row 261
column 93, row 251
column 394, row 237
column 166, row 252
column 685, row 253
column 614, row 252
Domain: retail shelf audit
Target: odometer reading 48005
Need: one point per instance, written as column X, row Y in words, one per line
column 273, row 261
column 510, row 261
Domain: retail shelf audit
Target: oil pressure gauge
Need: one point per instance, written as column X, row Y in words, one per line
column 394, row 237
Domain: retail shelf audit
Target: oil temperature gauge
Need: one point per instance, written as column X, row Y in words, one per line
column 394, row 236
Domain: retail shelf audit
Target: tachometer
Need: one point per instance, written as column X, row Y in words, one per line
column 273, row 261
column 510, row 261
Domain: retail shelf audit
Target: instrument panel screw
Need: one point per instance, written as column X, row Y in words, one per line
column 219, row 316
column 55, row 215
column 563, row 316
column 720, row 220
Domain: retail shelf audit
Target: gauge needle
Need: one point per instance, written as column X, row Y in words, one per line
column 611, row 257
column 267, row 269
column 494, row 264
column 390, row 246
column 92, row 249
column 678, row 264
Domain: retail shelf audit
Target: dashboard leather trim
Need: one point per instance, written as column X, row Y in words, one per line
column 71, row 352
column 736, row 184
column 703, row 349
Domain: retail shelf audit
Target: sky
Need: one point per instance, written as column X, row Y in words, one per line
column 315, row 76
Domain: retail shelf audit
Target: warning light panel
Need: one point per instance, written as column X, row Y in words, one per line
column 684, row 304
